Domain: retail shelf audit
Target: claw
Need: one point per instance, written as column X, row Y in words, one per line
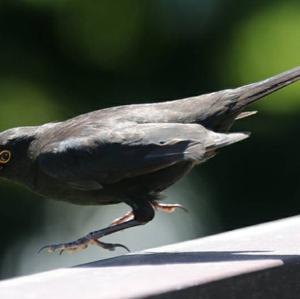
column 41, row 249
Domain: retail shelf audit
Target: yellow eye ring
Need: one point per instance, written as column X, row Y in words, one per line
column 5, row 156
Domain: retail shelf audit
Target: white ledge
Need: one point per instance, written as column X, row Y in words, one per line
column 253, row 262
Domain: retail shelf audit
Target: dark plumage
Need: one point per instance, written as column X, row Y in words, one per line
column 128, row 153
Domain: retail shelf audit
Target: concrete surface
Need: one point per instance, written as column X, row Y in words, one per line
column 261, row 261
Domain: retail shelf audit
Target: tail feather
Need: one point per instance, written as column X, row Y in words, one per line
column 245, row 114
column 252, row 92
column 230, row 105
column 222, row 139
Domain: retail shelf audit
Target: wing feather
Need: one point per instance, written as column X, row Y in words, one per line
column 115, row 155
column 111, row 155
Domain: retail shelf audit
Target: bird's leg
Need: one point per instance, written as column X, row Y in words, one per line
column 143, row 212
column 164, row 207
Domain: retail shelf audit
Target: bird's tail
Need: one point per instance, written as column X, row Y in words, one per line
column 224, row 139
column 252, row 92
column 214, row 141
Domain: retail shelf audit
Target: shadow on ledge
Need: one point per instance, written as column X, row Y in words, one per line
column 161, row 258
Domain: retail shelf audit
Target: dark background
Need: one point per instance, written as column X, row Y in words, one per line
column 60, row 58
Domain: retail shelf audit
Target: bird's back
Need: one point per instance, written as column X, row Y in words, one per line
column 216, row 111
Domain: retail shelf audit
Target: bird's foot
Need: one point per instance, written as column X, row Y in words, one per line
column 167, row 207
column 79, row 245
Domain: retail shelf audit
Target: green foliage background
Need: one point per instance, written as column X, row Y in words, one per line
column 62, row 58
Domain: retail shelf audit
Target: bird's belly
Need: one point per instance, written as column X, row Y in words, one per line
column 146, row 186
column 56, row 190
column 149, row 186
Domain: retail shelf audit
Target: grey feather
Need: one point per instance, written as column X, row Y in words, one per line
column 216, row 111
column 132, row 150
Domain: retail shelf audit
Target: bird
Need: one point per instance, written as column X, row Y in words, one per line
column 127, row 154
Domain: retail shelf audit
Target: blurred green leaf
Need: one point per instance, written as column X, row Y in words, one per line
column 264, row 45
column 103, row 32
column 23, row 103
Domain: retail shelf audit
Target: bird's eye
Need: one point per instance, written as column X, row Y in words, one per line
column 5, row 156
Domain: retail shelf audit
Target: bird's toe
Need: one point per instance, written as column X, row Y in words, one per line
column 168, row 208
column 69, row 247
column 79, row 245
column 108, row 246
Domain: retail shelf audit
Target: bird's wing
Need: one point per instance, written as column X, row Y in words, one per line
column 114, row 154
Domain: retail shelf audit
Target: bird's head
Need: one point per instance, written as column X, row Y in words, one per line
column 14, row 154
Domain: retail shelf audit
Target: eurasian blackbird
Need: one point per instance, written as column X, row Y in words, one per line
column 128, row 153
